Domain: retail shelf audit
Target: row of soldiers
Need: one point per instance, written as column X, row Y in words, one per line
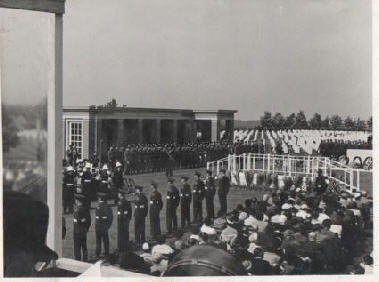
column 183, row 197
column 139, row 158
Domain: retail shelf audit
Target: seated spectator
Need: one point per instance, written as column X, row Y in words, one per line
column 259, row 265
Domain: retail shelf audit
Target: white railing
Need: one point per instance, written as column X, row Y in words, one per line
column 288, row 165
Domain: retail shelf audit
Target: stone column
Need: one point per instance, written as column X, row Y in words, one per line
column 175, row 131
column 158, row 130
column 215, row 129
column 140, row 130
column 120, row 132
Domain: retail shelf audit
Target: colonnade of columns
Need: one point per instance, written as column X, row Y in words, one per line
column 119, row 131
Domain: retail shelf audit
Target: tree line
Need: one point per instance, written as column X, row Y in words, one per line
column 298, row 120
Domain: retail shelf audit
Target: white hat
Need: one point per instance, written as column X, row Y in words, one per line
column 88, row 165
column 242, row 216
column 118, row 164
column 145, row 246
column 286, row 206
column 250, row 221
column 105, row 167
column 69, row 168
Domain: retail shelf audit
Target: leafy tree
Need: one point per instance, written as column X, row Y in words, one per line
column 301, row 121
column 326, row 123
column 10, row 137
column 349, row 123
column 266, row 120
column 279, row 122
column 335, row 122
column 369, row 123
column 316, row 121
column 290, row 121
column 360, row 125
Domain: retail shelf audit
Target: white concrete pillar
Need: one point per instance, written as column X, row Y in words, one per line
column 54, row 127
column 249, row 161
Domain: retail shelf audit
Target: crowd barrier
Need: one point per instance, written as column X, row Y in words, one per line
column 288, row 165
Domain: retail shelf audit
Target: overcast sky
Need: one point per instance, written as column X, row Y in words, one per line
column 248, row 55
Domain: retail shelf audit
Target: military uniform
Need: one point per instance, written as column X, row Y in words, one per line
column 186, row 198
column 124, row 214
column 82, row 222
column 68, row 190
column 140, row 213
column 210, row 191
column 223, row 190
column 156, row 205
column 172, row 202
column 87, row 187
column 198, row 196
column 104, row 219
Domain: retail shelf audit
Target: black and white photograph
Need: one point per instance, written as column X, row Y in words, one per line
column 175, row 138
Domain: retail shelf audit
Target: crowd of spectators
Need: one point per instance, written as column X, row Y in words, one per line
column 291, row 230
column 335, row 149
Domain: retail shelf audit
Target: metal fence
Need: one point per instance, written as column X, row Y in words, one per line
column 292, row 166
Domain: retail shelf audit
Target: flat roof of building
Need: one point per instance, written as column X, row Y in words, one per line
column 98, row 109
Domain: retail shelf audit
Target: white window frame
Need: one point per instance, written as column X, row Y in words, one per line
column 69, row 135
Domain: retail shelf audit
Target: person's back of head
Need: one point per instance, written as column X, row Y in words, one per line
column 25, row 228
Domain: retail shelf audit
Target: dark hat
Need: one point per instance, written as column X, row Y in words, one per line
column 102, row 195
column 170, row 180
column 258, row 252
column 122, row 191
column 79, row 196
column 197, row 173
column 153, row 183
column 25, row 225
column 209, row 171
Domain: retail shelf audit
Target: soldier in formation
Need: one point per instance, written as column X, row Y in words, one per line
column 156, row 205
column 124, row 215
column 104, row 219
column 140, row 213
column 197, row 198
column 172, row 203
column 185, row 203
